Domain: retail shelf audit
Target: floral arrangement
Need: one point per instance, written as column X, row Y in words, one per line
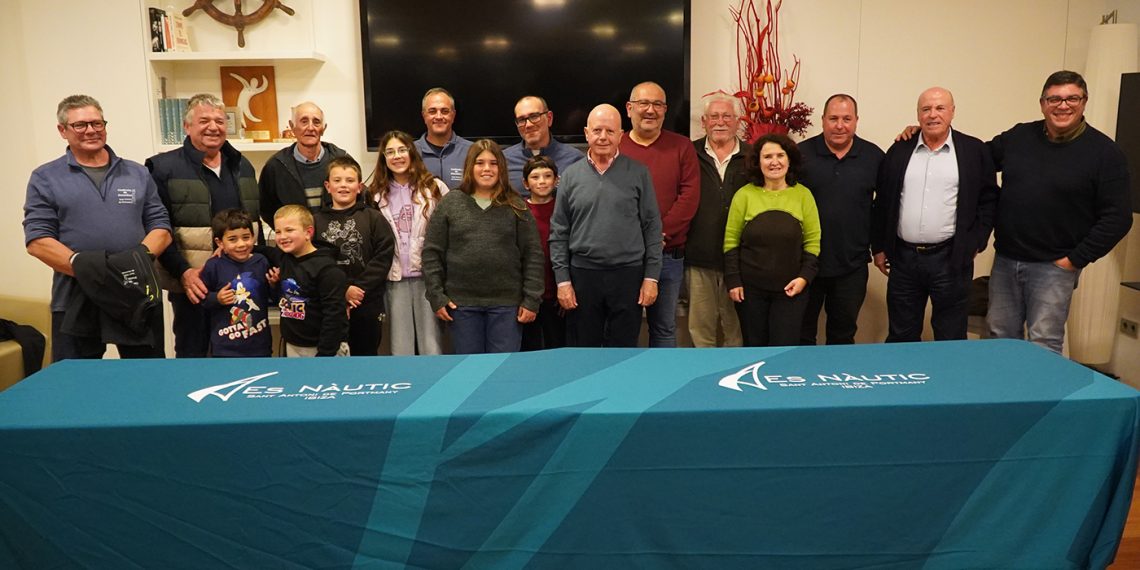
column 766, row 91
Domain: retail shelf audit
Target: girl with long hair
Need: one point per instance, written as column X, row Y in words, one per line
column 482, row 259
column 407, row 194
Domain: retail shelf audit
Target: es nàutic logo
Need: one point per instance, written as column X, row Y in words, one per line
column 249, row 388
column 750, row 377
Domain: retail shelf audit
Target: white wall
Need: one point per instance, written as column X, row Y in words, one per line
column 993, row 55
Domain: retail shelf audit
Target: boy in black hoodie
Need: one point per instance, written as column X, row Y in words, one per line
column 366, row 245
column 314, row 315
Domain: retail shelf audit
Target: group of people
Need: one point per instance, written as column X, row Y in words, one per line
column 533, row 247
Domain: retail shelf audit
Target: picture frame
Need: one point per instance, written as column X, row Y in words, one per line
column 233, row 122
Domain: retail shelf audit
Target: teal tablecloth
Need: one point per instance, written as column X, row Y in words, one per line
column 991, row 454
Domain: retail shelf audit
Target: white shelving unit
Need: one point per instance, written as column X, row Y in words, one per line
column 188, row 73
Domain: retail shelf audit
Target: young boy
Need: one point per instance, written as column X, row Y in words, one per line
column 366, row 245
column 314, row 319
column 548, row 330
column 238, row 282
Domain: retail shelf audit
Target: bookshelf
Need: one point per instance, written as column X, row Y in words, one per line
column 286, row 43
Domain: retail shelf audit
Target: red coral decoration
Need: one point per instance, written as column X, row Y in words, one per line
column 766, row 91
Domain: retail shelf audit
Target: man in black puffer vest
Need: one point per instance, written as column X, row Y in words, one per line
column 205, row 176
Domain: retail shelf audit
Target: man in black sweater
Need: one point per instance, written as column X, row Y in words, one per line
column 840, row 169
column 1064, row 204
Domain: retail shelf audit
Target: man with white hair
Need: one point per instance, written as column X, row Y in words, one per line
column 203, row 177
column 296, row 173
column 712, row 317
column 605, row 239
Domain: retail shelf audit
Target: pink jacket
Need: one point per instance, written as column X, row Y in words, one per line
column 419, row 229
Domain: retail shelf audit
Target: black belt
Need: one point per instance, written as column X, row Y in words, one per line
column 674, row 252
column 924, row 248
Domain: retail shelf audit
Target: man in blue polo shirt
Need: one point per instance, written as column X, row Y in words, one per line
column 443, row 151
column 90, row 199
column 533, row 119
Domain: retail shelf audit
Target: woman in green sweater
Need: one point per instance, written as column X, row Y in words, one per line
column 771, row 244
column 482, row 260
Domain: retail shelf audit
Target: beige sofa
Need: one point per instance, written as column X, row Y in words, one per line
column 25, row 311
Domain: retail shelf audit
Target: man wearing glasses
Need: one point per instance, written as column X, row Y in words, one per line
column 90, row 199
column 712, row 316
column 533, row 119
column 672, row 162
column 1064, row 204
column 296, row 173
column 443, row 151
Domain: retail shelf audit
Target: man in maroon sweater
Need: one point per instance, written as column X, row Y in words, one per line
column 672, row 163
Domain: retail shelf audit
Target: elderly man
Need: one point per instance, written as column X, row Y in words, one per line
column 1064, row 204
column 296, row 174
column 672, row 161
column 89, row 199
column 933, row 213
column 443, row 151
column 605, row 239
column 533, row 119
column 205, row 176
column 841, row 171
column 712, row 316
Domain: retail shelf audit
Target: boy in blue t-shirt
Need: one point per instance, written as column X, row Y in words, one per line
column 239, row 283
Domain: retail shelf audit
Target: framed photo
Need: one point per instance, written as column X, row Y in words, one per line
column 233, row 122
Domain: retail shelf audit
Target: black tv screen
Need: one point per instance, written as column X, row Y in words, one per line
column 573, row 53
column 1128, row 130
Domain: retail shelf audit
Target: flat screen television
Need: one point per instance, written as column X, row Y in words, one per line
column 1128, row 130
column 573, row 53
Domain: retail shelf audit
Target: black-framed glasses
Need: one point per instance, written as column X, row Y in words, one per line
column 644, row 104
column 1072, row 100
column 533, row 117
column 81, row 126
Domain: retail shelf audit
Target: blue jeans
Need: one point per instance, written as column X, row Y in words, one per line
column 480, row 330
column 1033, row 297
column 661, row 316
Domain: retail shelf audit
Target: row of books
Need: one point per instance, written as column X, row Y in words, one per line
column 168, row 31
column 170, row 112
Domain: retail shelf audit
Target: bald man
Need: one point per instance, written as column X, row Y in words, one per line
column 934, row 210
column 605, row 239
column 533, row 119
column 676, row 172
column 296, row 174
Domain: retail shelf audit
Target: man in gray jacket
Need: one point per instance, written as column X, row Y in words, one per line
column 605, row 239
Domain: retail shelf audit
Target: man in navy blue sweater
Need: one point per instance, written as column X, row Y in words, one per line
column 1064, row 204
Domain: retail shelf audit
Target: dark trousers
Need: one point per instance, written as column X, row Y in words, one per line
column 771, row 318
column 547, row 330
column 914, row 278
column 364, row 326
column 191, row 327
column 842, row 297
column 65, row 346
column 607, row 313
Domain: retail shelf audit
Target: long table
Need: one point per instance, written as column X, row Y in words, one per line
column 977, row 454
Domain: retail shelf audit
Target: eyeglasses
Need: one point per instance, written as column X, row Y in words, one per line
column 394, row 152
column 714, row 118
column 81, row 126
column 533, row 117
column 1072, row 100
column 644, row 104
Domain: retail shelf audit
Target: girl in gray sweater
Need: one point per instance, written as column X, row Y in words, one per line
column 482, row 259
